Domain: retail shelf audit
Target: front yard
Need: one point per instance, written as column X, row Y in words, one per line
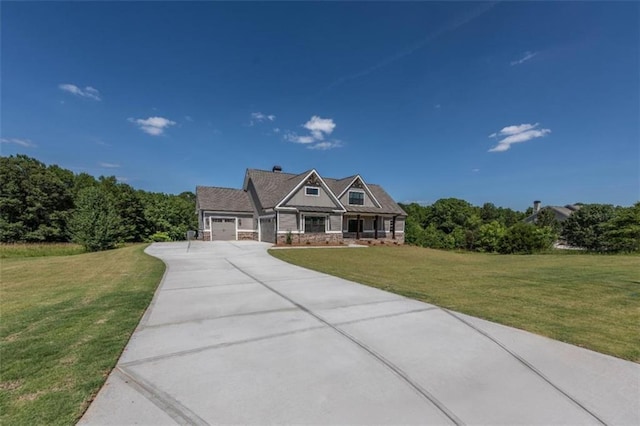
column 65, row 321
column 591, row 301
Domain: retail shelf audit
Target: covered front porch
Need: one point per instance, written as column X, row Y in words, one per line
column 369, row 227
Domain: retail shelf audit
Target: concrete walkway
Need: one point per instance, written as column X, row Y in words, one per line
column 234, row 336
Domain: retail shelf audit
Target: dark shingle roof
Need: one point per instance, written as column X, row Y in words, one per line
column 273, row 187
column 339, row 185
column 223, row 199
column 561, row 213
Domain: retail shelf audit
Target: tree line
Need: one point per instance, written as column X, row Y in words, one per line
column 456, row 224
column 40, row 203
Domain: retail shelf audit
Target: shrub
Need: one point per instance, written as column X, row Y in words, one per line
column 95, row 224
column 525, row 238
column 623, row 230
column 489, row 236
column 587, row 228
column 160, row 237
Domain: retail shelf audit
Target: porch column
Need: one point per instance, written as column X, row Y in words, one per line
column 357, row 227
column 375, row 227
column 393, row 228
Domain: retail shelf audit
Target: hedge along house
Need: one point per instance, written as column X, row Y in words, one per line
column 272, row 205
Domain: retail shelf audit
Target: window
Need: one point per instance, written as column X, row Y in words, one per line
column 354, row 224
column 314, row 224
column 313, row 191
column 356, row 198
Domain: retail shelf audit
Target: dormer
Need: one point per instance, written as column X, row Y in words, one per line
column 357, row 194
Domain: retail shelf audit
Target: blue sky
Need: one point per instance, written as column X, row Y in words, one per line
column 489, row 102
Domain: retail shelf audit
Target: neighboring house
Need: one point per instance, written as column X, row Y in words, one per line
column 272, row 205
column 561, row 213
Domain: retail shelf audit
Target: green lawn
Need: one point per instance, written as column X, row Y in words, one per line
column 65, row 321
column 38, row 250
column 591, row 301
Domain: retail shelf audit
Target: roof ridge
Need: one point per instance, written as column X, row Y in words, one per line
column 220, row 187
column 271, row 172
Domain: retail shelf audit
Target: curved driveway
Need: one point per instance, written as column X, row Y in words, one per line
column 236, row 336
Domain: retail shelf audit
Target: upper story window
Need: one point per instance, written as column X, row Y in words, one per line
column 313, row 191
column 356, row 198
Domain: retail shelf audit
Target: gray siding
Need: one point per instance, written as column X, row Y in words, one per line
column 368, row 202
column 268, row 229
column 245, row 221
column 207, row 215
column 368, row 223
column 336, row 222
column 322, row 200
column 399, row 224
column 253, row 196
column 288, row 222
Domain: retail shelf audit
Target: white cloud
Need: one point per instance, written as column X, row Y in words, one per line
column 325, row 145
column 517, row 134
column 294, row 137
column 154, row 126
column 258, row 117
column 109, row 165
column 188, row 118
column 513, row 130
column 524, row 58
column 87, row 92
column 475, row 170
column 122, row 179
column 319, row 126
column 437, row 106
column 26, row 143
column 276, row 130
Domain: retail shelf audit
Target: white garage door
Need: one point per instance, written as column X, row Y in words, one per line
column 223, row 229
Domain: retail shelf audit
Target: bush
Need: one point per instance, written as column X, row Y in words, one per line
column 587, row 228
column 623, row 230
column 489, row 236
column 95, row 224
column 160, row 237
column 525, row 238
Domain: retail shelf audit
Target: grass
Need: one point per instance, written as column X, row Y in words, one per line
column 591, row 301
column 65, row 321
column 9, row 251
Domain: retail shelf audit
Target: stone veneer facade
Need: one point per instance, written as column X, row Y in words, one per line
column 336, row 239
column 317, row 238
column 298, row 239
column 247, row 235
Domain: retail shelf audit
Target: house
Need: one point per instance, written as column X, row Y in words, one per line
column 306, row 208
column 561, row 213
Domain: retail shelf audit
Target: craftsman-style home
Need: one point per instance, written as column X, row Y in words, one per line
column 278, row 207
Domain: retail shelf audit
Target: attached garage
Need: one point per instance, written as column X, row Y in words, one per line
column 223, row 229
column 225, row 214
column 268, row 230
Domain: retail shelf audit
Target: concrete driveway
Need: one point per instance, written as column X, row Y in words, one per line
column 235, row 336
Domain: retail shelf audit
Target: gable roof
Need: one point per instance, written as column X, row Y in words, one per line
column 303, row 182
column 561, row 213
column 272, row 187
column 365, row 188
column 223, row 199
